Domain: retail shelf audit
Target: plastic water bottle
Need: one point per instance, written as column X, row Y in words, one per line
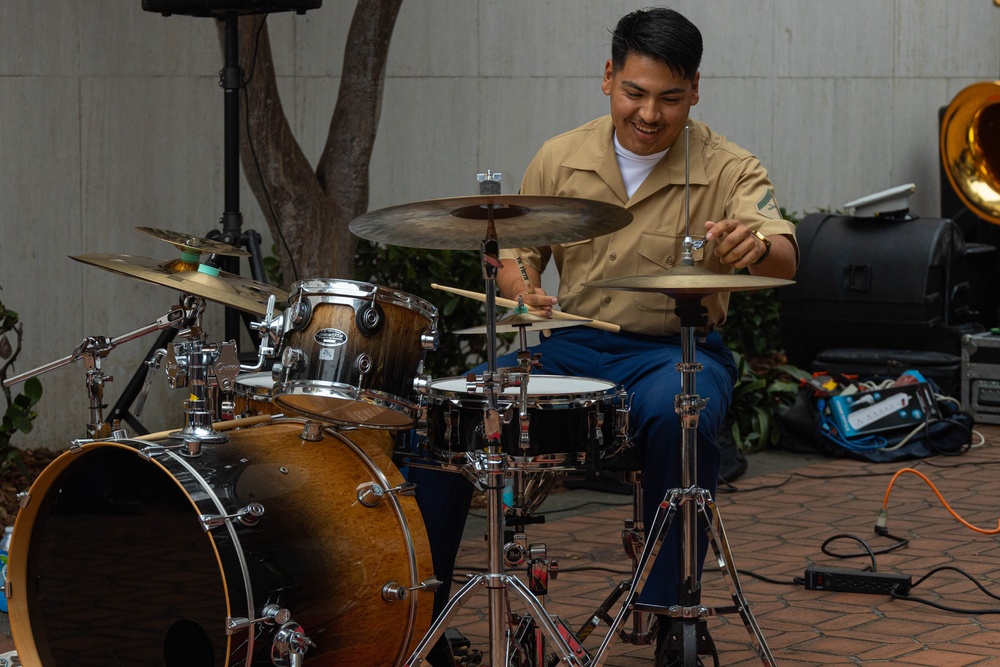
column 4, row 548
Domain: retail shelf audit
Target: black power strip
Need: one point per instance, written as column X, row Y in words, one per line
column 856, row 581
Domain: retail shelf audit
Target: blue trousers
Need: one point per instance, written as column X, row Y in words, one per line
column 645, row 367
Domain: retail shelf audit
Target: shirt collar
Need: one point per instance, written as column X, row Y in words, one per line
column 597, row 154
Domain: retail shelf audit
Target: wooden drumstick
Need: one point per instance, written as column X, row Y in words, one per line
column 507, row 303
column 524, row 275
column 218, row 426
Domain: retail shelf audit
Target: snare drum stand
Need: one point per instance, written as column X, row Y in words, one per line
column 688, row 618
column 490, row 471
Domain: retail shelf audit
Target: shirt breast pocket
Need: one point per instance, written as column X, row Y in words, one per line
column 578, row 259
column 659, row 252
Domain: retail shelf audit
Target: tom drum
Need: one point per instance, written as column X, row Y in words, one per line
column 352, row 351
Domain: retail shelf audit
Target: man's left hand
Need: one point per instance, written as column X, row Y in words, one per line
column 735, row 244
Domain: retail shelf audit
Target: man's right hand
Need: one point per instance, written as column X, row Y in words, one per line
column 512, row 286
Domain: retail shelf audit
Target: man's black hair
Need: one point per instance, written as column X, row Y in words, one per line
column 659, row 33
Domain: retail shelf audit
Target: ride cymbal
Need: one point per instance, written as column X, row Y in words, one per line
column 226, row 288
column 691, row 280
column 195, row 244
column 460, row 223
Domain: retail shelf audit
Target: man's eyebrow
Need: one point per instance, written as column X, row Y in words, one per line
column 669, row 91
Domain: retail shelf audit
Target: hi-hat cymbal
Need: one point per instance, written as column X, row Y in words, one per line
column 195, row 244
column 460, row 223
column 691, row 280
column 516, row 321
column 226, row 288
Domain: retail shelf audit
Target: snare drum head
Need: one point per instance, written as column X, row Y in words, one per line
column 254, row 383
column 538, row 385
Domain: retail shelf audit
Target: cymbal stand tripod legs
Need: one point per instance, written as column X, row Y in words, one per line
column 490, row 471
column 693, row 503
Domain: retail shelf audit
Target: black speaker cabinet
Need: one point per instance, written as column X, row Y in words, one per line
column 874, row 283
column 223, row 7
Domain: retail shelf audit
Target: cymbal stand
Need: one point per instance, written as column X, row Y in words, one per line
column 231, row 81
column 95, row 348
column 687, row 618
column 489, row 469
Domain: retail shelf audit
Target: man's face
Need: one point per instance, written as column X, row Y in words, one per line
column 649, row 103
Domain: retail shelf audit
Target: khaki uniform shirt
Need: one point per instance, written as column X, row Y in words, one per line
column 726, row 182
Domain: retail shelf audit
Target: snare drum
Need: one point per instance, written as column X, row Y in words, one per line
column 351, row 352
column 575, row 422
column 253, row 394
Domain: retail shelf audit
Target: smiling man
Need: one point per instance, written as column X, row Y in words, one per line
column 635, row 158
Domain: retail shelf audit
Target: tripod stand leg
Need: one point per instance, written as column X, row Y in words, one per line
column 720, row 545
column 437, row 629
column 661, row 523
column 509, row 584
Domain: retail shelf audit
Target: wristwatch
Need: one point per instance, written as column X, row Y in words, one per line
column 767, row 246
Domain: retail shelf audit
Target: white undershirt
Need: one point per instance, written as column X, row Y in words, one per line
column 635, row 168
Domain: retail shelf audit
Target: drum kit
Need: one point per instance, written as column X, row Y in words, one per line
column 274, row 526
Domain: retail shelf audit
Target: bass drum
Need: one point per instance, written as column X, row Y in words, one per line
column 124, row 555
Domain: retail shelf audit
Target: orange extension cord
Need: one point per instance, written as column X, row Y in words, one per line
column 885, row 504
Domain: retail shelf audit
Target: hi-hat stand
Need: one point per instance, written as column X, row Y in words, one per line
column 687, row 636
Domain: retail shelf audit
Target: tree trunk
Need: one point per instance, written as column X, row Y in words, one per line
column 309, row 212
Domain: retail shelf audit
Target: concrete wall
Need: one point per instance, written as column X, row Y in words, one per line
column 111, row 118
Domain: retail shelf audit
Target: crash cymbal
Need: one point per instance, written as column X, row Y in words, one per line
column 226, row 288
column 691, row 280
column 195, row 244
column 515, row 321
column 460, row 223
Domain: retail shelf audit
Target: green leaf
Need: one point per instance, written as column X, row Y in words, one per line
column 33, row 389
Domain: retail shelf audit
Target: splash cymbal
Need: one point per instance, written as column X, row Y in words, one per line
column 195, row 244
column 460, row 223
column 226, row 288
column 691, row 280
column 515, row 321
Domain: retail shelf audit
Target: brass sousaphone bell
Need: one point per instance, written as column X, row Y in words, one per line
column 970, row 148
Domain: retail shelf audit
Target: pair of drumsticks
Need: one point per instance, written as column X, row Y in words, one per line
column 508, row 303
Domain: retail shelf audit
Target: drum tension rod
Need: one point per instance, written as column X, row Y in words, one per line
column 248, row 516
column 395, row 592
column 370, row 493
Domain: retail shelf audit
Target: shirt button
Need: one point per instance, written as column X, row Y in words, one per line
column 614, row 256
column 607, row 299
column 670, row 260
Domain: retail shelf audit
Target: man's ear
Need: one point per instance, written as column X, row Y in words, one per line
column 609, row 73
